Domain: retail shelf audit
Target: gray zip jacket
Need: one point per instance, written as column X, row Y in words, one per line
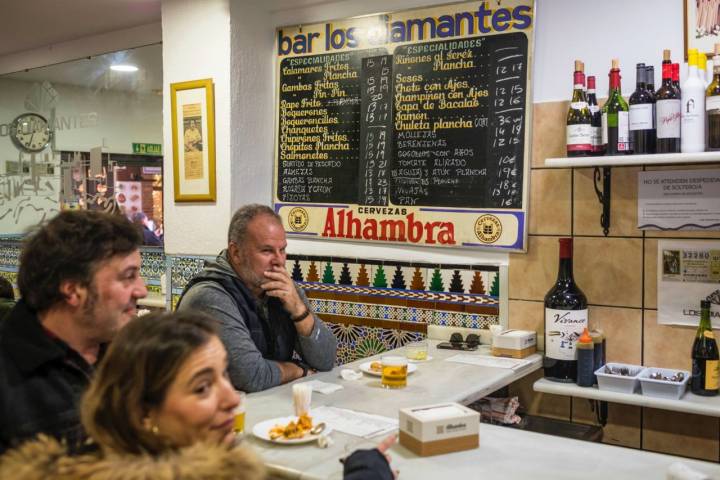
column 255, row 342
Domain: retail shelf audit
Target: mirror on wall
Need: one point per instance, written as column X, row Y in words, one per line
column 83, row 134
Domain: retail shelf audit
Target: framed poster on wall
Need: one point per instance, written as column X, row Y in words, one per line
column 193, row 140
column 410, row 127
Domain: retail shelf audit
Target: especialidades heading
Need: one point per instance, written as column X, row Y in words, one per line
column 379, row 30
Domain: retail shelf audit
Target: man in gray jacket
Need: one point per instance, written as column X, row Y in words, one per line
column 264, row 315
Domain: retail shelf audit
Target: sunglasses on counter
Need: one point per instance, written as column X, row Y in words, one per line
column 456, row 342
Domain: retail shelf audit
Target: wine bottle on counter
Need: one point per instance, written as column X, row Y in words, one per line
column 566, row 316
column 692, row 120
column 615, row 116
column 595, row 118
column 712, row 104
column 578, row 128
column 704, row 380
column 667, row 108
column 642, row 134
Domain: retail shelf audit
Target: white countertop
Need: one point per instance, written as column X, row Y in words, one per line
column 152, row 299
column 504, row 453
column 689, row 403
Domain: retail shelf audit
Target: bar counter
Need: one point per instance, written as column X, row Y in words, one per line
column 504, row 453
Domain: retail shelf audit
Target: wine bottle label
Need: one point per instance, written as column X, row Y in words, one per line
column 641, row 116
column 578, row 105
column 579, row 137
column 623, row 131
column 562, row 329
column 594, row 108
column 712, row 103
column 711, row 374
column 596, row 138
column 668, row 118
column 604, row 129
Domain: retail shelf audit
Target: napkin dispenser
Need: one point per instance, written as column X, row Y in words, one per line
column 514, row 343
column 437, row 429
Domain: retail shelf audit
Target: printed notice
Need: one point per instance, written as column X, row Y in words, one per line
column 679, row 200
column 688, row 272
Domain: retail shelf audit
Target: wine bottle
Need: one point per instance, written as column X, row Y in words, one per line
column 712, row 104
column 578, row 129
column 566, row 316
column 667, row 109
column 650, row 79
column 704, row 380
column 642, row 134
column 615, row 116
column 692, row 120
column 595, row 118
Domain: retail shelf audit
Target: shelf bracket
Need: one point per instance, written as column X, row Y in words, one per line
column 603, row 196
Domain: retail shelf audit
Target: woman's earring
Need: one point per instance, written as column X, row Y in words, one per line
column 150, row 427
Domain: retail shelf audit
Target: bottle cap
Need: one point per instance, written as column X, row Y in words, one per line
column 666, row 55
column 566, row 250
column 591, row 82
column 717, row 49
column 597, row 336
column 702, row 61
column 585, row 337
column 578, row 66
column 692, row 58
column 615, row 64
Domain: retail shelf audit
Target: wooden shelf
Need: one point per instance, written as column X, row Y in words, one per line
column 689, row 403
column 629, row 160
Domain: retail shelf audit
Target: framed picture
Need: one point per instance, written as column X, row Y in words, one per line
column 193, row 140
column 702, row 25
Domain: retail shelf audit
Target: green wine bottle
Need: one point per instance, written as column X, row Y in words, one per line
column 704, row 380
column 615, row 116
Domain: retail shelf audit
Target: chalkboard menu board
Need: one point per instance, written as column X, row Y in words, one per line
column 459, row 130
column 421, row 139
column 319, row 127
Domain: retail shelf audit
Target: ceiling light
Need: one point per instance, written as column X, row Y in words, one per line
column 124, row 68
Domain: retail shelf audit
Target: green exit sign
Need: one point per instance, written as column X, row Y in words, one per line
column 147, row 148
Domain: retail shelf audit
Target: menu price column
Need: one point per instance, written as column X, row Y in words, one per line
column 507, row 120
column 376, row 86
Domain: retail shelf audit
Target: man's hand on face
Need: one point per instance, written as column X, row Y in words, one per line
column 278, row 284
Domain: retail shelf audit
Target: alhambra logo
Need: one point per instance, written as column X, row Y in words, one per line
column 298, row 219
column 488, row 228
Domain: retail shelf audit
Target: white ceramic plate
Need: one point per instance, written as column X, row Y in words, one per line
column 262, row 431
column 365, row 367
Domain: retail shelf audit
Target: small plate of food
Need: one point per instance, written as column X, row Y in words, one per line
column 375, row 368
column 290, row 430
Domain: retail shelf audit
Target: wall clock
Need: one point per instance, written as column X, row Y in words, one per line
column 30, row 132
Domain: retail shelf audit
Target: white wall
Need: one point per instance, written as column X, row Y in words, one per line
column 633, row 31
column 196, row 45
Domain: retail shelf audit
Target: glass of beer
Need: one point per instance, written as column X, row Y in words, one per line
column 394, row 371
column 417, row 351
column 239, row 426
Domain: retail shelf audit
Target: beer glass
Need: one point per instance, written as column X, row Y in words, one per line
column 239, row 425
column 394, row 371
column 417, row 351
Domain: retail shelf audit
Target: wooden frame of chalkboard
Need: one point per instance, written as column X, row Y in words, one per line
column 411, row 127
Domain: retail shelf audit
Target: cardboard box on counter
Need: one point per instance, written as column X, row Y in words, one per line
column 437, row 429
column 514, row 343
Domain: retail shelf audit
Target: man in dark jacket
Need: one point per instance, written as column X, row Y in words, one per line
column 265, row 317
column 79, row 280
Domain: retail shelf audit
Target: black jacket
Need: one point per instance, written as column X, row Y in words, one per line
column 41, row 382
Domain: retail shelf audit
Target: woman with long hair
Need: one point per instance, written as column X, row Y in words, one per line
column 161, row 406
